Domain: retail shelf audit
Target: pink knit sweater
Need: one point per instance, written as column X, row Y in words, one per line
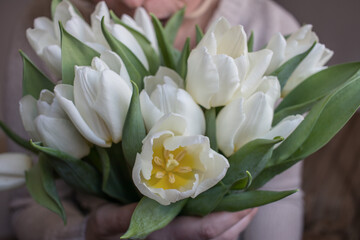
column 280, row 220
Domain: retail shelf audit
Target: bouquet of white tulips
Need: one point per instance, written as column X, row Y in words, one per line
column 182, row 132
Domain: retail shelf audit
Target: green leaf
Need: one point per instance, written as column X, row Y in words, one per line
column 173, row 25
column 77, row 173
column 292, row 110
column 199, row 33
column 269, row 172
column 112, row 184
column 240, row 201
column 319, row 85
column 165, row 48
column 150, row 216
column 73, row 52
column 324, row 120
column 206, row 202
column 284, row 71
column 134, row 129
column 243, row 183
column 250, row 42
column 133, row 65
column 34, row 81
column 251, row 157
column 41, row 185
column 182, row 63
column 150, row 54
column 16, row 138
column 210, row 131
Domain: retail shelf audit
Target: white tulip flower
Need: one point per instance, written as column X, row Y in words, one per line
column 142, row 23
column 221, row 67
column 163, row 95
column 44, row 38
column 246, row 119
column 45, row 121
column 12, row 170
column 297, row 43
column 172, row 167
column 98, row 102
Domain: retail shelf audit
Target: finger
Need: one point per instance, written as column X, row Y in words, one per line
column 233, row 232
column 197, row 228
column 112, row 219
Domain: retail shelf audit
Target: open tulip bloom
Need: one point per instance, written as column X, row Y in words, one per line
column 181, row 132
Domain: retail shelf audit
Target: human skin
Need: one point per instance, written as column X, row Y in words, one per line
column 111, row 221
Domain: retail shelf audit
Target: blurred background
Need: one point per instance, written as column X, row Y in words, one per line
column 331, row 177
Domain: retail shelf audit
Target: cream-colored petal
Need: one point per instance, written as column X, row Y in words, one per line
column 170, row 122
column 12, row 169
column 61, row 134
column 285, row 127
column 112, row 102
column 228, row 123
column 101, row 10
column 39, row 39
column 164, row 75
column 65, row 96
column 143, row 20
column 115, row 63
column 277, row 45
column 233, row 42
column 52, row 57
column 202, row 80
column 149, row 110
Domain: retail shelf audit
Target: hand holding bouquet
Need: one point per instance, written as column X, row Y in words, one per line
column 188, row 132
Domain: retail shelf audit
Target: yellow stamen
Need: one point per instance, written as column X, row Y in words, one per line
column 184, row 169
column 159, row 161
column 171, row 163
column 159, row 174
column 171, row 178
column 166, row 153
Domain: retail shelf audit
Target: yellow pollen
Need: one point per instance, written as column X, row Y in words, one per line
column 159, row 174
column 166, row 153
column 171, row 163
column 159, row 161
column 171, row 178
column 184, row 169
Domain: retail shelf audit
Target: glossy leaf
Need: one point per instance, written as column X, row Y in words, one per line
column 165, row 48
column 150, row 216
column 199, row 33
column 206, row 202
column 250, row 43
column 251, row 157
column 135, row 68
column 238, row 201
column 112, row 184
column 73, row 52
column 34, row 81
column 77, row 173
column 40, row 183
column 134, row 129
column 182, row 63
column 284, row 71
column 210, row 131
column 150, row 54
column 172, row 26
column 16, row 138
column 319, row 85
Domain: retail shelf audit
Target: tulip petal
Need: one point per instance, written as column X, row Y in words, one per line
column 271, row 87
column 202, row 78
column 143, row 20
column 258, row 118
column 229, row 46
column 113, row 90
column 228, row 76
column 78, row 28
column 45, row 24
column 101, row 10
column 228, row 123
column 164, row 75
column 28, row 113
column 39, row 39
column 170, row 122
column 52, row 57
column 65, row 96
column 116, row 64
column 61, row 134
column 285, row 127
column 63, row 13
column 12, row 169
column 277, row 45
column 149, row 110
